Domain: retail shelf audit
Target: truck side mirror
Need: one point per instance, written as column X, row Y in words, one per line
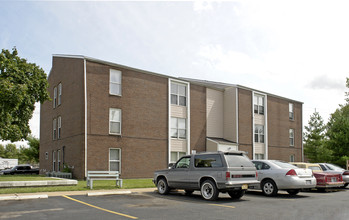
column 171, row 165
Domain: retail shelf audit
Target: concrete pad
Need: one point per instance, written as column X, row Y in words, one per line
column 61, row 182
column 23, row 197
column 108, row 193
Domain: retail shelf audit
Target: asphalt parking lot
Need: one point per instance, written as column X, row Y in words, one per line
column 176, row 205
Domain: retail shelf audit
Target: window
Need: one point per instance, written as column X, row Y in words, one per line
column 292, row 158
column 114, row 159
column 261, row 165
column 59, row 127
column 183, row 163
column 53, row 161
column 115, row 121
column 58, row 160
column 55, row 97
column 178, row 94
column 54, row 126
column 176, row 155
column 291, row 111
column 258, row 102
column 213, row 160
column 259, row 156
column 115, row 82
column 59, row 94
column 259, row 133
column 291, row 137
column 178, row 128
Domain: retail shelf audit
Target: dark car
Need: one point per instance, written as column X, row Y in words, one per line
column 21, row 169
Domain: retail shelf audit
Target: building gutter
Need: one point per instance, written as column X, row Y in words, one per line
column 85, row 101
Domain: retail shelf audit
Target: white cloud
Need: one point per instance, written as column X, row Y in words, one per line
column 200, row 6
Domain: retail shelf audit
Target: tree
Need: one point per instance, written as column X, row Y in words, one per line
column 314, row 140
column 2, row 151
column 31, row 154
column 338, row 135
column 338, row 132
column 11, row 151
column 21, row 85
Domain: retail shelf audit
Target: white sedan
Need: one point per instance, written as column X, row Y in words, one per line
column 276, row 175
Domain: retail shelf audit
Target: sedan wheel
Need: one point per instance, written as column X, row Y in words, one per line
column 163, row 187
column 209, row 190
column 269, row 188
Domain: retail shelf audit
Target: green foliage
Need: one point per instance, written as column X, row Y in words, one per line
column 314, row 140
column 11, row 151
column 2, row 151
column 21, row 85
column 338, row 135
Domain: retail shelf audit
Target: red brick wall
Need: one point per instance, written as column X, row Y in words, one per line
column 144, row 105
column 197, row 118
column 69, row 72
column 245, row 121
column 278, row 129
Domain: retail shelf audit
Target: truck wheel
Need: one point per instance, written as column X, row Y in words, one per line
column 209, row 190
column 269, row 188
column 236, row 194
column 163, row 186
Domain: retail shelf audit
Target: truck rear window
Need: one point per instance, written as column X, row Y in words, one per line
column 238, row 160
column 209, row 160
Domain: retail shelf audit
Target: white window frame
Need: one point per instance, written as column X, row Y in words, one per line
column 291, row 111
column 54, row 129
column 178, row 96
column 257, row 104
column 54, row 97
column 291, row 136
column 59, row 94
column 176, row 127
column 259, row 134
column 292, row 158
column 114, row 83
column 59, row 127
column 58, row 160
column 259, row 156
column 117, row 161
column 53, row 160
column 110, row 121
column 178, row 155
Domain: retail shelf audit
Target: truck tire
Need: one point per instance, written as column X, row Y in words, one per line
column 209, row 190
column 162, row 186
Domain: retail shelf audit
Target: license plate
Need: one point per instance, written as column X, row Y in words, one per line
column 244, row 186
column 333, row 179
column 308, row 182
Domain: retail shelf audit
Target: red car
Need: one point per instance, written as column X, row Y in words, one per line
column 328, row 180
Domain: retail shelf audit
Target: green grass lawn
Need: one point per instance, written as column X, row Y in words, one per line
column 81, row 186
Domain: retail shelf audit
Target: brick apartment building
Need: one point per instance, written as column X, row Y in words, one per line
column 105, row 116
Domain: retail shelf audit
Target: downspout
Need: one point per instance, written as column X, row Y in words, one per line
column 85, row 99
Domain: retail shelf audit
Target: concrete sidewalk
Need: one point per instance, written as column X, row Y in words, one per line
column 45, row 195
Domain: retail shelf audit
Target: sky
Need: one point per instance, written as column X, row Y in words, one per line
column 294, row 49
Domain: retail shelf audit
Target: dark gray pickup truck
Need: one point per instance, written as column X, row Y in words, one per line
column 210, row 173
column 20, row 169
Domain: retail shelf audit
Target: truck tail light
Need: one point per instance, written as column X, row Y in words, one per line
column 256, row 175
column 227, row 175
column 291, row 172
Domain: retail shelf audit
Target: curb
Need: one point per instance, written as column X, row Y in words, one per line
column 17, row 197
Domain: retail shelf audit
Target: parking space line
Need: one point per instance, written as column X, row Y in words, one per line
column 96, row 207
column 226, row 206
